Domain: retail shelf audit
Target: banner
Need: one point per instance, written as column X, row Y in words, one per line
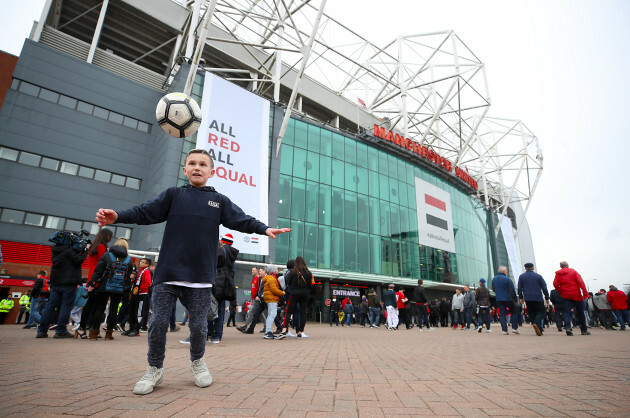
column 510, row 246
column 435, row 218
column 235, row 131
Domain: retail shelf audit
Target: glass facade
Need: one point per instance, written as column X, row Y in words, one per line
column 352, row 208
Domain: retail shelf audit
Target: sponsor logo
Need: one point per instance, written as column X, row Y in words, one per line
column 213, row 204
column 254, row 240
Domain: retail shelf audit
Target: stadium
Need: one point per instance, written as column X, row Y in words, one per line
column 387, row 161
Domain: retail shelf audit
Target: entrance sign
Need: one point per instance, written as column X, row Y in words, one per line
column 435, row 217
column 235, row 132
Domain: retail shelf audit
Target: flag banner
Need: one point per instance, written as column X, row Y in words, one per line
column 235, row 132
column 361, row 102
column 435, row 217
column 510, row 246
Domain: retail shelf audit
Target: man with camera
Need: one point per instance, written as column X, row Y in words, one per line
column 68, row 254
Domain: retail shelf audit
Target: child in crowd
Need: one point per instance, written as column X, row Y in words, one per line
column 188, row 259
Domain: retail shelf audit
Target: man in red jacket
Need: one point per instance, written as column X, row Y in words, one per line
column 619, row 305
column 570, row 285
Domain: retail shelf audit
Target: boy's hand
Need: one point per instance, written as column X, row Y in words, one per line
column 273, row 232
column 106, row 217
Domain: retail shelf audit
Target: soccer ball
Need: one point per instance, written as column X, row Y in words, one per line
column 178, row 115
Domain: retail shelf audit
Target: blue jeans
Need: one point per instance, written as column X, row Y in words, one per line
column 35, row 316
column 272, row 311
column 458, row 318
column 578, row 306
column 374, row 317
column 61, row 297
column 484, row 317
column 622, row 317
column 215, row 328
column 503, row 307
column 348, row 319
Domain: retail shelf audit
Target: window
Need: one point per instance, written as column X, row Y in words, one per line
column 133, row 183
column 99, row 112
column 143, row 126
column 49, row 96
column 34, row 219
column 12, row 216
column 86, row 172
column 116, row 118
column 85, row 108
column 118, row 180
column 103, row 176
column 28, row 88
column 50, row 164
column 69, row 168
column 67, row 101
column 14, row 84
column 53, row 222
column 29, row 159
column 130, row 122
column 8, row 154
column 73, row 225
column 92, row 227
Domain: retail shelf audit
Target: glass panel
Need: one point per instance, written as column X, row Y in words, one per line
column 314, row 134
column 373, row 188
column 143, row 126
column 393, row 190
column 298, row 199
column 312, row 193
column 402, row 193
column 375, row 255
column 363, row 214
column 130, row 122
column 286, row 160
column 50, row 164
column 350, row 210
column 324, row 205
column 383, row 163
column 326, row 143
column 310, row 244
column 123, row 232
column 338, row 173
column 375, row 216
column 12, row 216
column 116, row 118
column 392, row 166
column 289, row 134
column 133, row 183
column 386, row 254
column 73, row 225
column 351, row 177
column 384, row 187
column 372, row 159
column 296, row 240
column 99, row 112
column 385, row 220
column 86, row 172
column 325, row 169
column 103, row 176
column 323, row 247
column 53, row 222
column 67, row 101
column 118, row 180
column 338, row 146
column 395, row 220
column 411, row 195
column 312, row 166
column 337, row 208
column 49, row 96
column 362, row 155
column 282, row 242
column 85, row 108
column 299, row 163
column 363, row 253
column 284, row 197
column 301, row 136
column 351, row 151
column 362, row 180
column 14, row 84
column 395, row 258
column 34, row 219
column 91, row 227
column 350, row 251
column 337, row 249
column 9, row 154
column 28, row 88
column 29, row 159
column 402, row 170
column 404, row 223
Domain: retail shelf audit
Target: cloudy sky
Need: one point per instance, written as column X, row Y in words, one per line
column 559, row 66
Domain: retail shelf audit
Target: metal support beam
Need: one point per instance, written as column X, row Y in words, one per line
column 97, row 31
column 42, row 20
column 199, row 50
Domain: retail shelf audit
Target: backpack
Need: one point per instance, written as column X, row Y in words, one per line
column 301, row 282
column 117, row 274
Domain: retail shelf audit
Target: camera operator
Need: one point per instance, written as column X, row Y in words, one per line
column 65, row 275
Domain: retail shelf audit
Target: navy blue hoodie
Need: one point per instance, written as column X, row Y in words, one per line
column 191, row 236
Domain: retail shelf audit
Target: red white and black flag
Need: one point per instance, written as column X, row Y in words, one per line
column 435, row 219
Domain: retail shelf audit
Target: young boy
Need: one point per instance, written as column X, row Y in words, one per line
column 188, row 259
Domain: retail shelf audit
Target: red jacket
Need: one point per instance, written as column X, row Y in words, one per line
column 93, row 259
column 569, row 284
column 254, row 287
column 145, row 281
column 618, row 300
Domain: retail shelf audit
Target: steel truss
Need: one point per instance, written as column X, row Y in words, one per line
column 429, row 87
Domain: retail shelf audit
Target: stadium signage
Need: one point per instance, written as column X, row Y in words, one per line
column 424, row 152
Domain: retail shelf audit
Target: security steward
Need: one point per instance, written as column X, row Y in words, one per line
column 6, row 305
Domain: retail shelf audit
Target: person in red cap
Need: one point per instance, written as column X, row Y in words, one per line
column 227, row 239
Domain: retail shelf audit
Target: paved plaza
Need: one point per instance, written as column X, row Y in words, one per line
column 337, row 371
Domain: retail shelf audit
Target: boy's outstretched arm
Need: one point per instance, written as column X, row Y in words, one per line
column 106, row 217
column 273, row 232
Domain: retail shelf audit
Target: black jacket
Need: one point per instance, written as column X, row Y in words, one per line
column 99, row 278
column 295, row 285
column 223, row 287
column 419, row 295
column 66, row 266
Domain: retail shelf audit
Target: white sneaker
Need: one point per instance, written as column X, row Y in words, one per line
column 304, row 335
column 151, row 378
column 515, row 331
column 429, row 329
column 420, row 329
column 76, row 328
column 292, row 335
column 505, row 333
column 488, row 331
column 202, row 375
column 185, row 341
